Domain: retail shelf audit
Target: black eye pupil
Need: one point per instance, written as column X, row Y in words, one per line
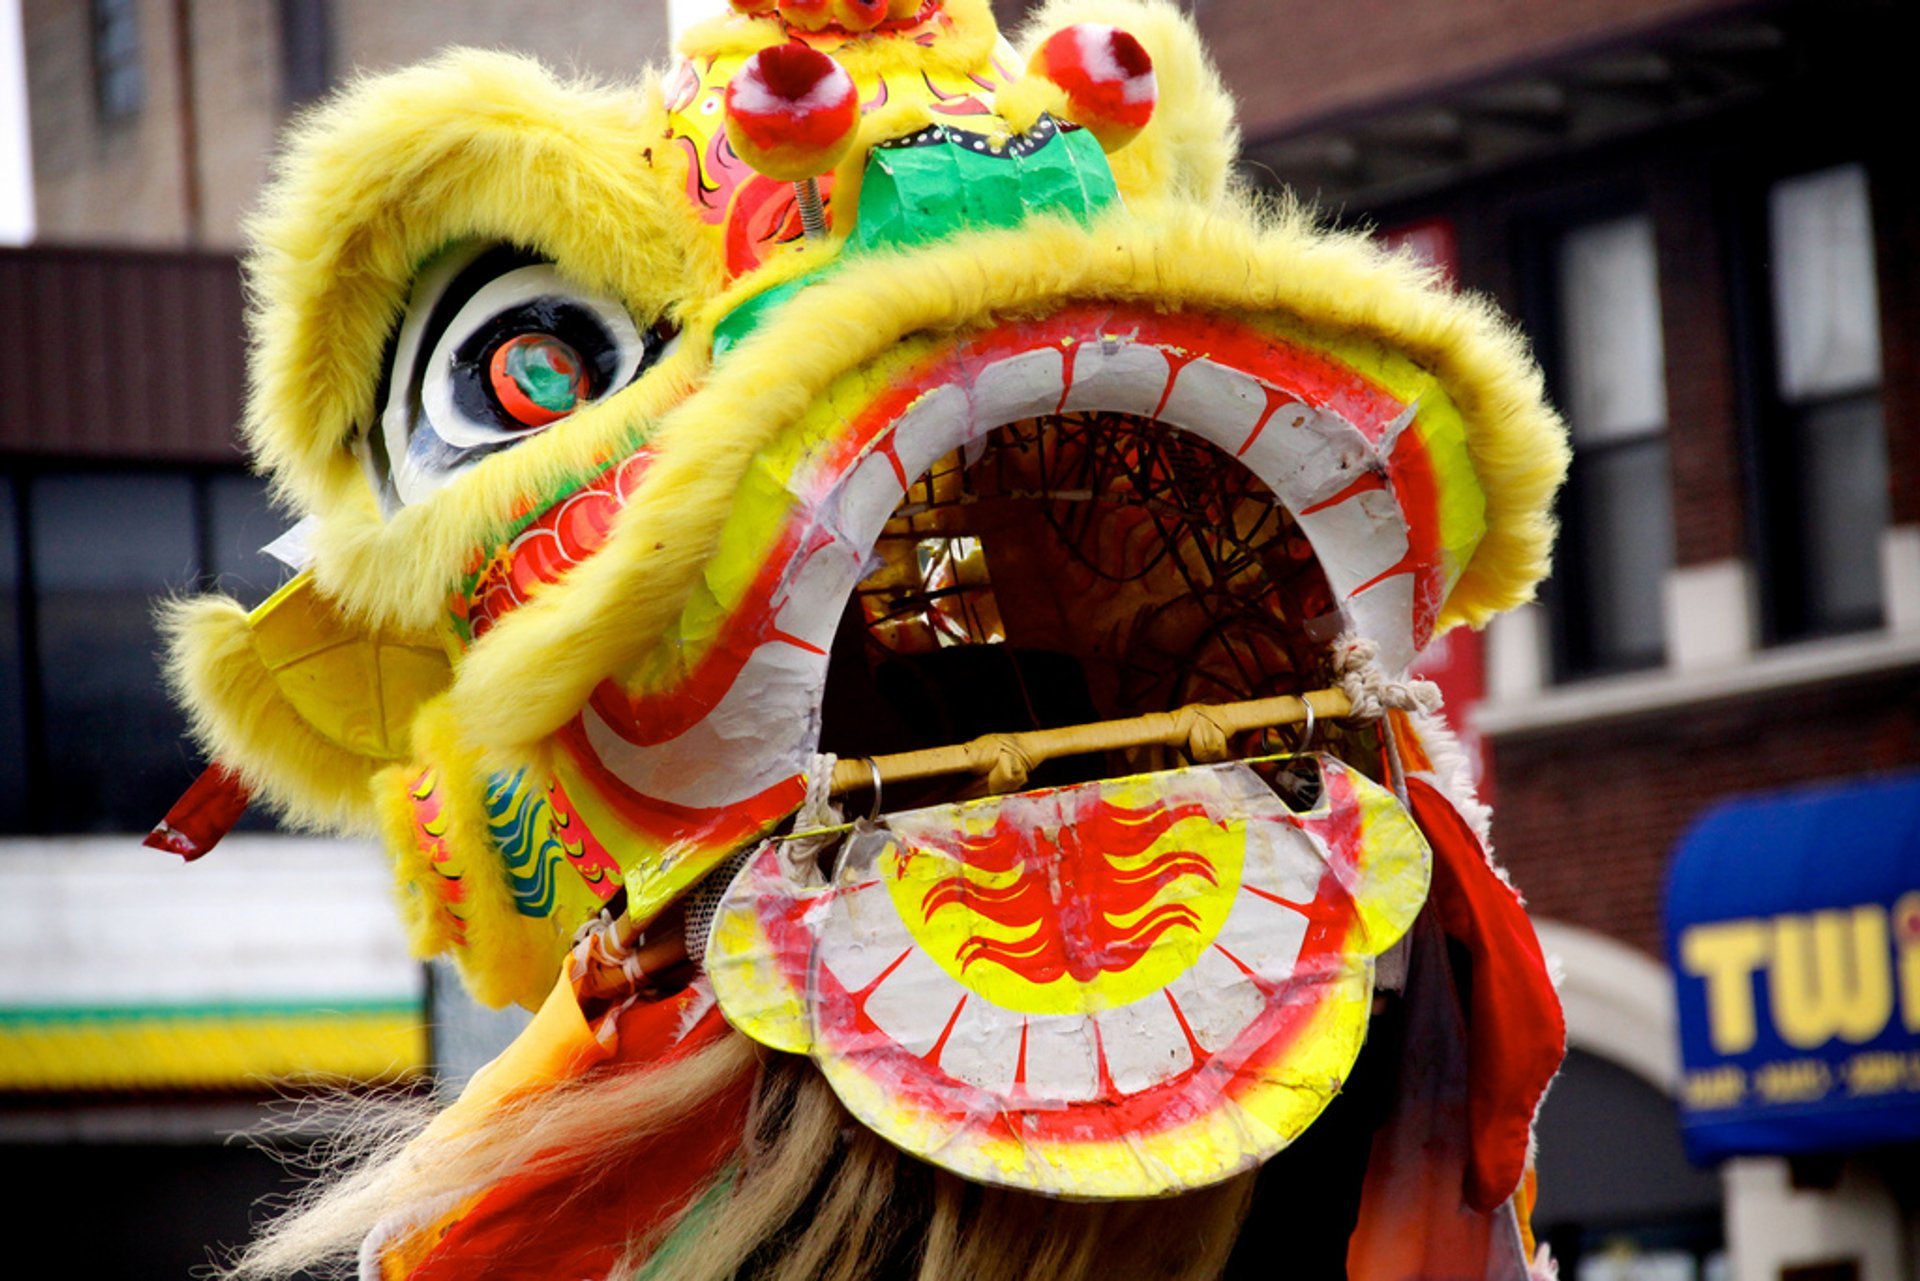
column 534, row 364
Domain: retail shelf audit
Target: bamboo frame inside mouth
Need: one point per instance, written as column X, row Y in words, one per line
column 1005, row 760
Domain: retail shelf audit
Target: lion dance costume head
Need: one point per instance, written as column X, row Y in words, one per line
column 872, row 586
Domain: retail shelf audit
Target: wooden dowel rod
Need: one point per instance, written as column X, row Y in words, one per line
column 609, row 982
column 1005, row 758
column 1170, row 729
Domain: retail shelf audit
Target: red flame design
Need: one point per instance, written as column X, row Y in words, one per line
column 1072, row 899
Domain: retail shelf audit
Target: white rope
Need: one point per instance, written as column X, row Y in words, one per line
column 818, row 810
column 1370, row 690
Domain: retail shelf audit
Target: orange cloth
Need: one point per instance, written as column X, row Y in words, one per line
column 556, row 1226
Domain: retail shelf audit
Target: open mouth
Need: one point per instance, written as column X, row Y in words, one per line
column 1068, row 569
column 1136, row 964
column 1054, row 523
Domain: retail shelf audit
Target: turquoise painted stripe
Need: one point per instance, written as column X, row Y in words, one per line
column 209, row 1010
column 521, row 823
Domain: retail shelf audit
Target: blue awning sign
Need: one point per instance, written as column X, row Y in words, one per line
column 1793, row 930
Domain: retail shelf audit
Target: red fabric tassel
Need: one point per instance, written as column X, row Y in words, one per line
column 205, row 812
column 1516, row 1033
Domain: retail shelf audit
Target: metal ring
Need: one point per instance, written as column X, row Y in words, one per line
column 873, row 767
column 1306, row 735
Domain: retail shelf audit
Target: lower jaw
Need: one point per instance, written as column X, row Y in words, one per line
column 1118, row 988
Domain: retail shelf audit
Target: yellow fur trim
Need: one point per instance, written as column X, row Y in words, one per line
column 450, row 880
column 470, row 146
column 1026, row 99
column 611, row 610
column 1186, row 152
column 241, row 717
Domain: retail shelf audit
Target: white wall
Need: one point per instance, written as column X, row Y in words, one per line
column 102, row 920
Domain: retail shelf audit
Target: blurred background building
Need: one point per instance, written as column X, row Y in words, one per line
column 1704, row 213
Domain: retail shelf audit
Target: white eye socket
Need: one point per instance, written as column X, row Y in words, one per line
column 496, row 346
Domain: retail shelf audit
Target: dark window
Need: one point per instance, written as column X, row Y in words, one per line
column 13, row 666
column 1613, row 1211
column 1820, row 445
column 119, row 83
column 1602, row 314
column 239, row 521
column 306, row 49
column 95, row 743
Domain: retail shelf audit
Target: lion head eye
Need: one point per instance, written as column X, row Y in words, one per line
column 497, row 345
column 538, row 378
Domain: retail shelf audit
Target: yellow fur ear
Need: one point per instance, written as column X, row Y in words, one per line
column 301, row 703
column 1187, row 149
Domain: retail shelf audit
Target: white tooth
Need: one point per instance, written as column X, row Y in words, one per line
column 984, row 1047
column 1305, row 455
column 816, row 592
column 1384, row 614
column 1282, row 860
column 933, row 427
column 913, row 1003
column 1122, row 376
column 1217, row 1000
column 1018, row 387
column 1364, row 537
column 1062, row 1064
column 860, row 505
column 862, row 936
column 1263, row 936
column 1143, row 1043
column 760, row 733
column 1218, row 404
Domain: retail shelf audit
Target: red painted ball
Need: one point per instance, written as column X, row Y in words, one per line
column 791, row 112
column 1107, row 77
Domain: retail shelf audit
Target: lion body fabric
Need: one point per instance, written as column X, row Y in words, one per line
column 641, row 485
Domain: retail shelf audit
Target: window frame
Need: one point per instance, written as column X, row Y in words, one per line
column 1567, row 595
column 119, row 75
column 306, row 50
column 1770, row 427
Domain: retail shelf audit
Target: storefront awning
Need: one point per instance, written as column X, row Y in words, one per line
column 1793, row 930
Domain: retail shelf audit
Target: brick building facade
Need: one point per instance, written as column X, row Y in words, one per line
column 1727, row 620
column 177, row 157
